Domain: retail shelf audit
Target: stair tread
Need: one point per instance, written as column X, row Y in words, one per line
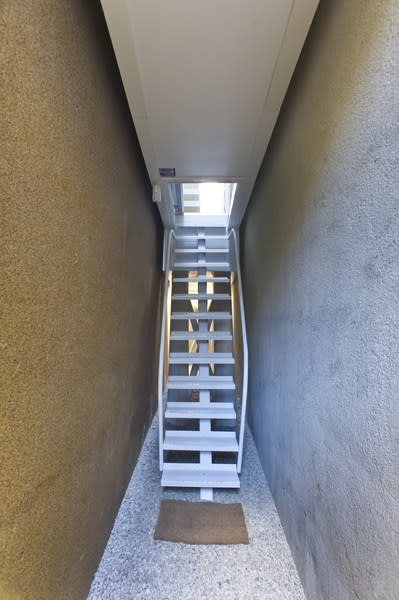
column 201, row 385
column 201, row 279
column 201, row 335
column 202, row 315
column 211, row 266
column 201, row 237
column 201, row 297
column 194, row 382
column 213, row 441
column 198, row 358
column 196, row 475
column 203, row 378
column 200, row 410
column 201, row 250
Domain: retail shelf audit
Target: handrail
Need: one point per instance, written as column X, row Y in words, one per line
column 245, row 352
column 162, row 348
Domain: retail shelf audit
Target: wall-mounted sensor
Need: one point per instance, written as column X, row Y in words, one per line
column 156, row 193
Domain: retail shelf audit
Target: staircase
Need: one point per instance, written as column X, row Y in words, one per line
column 201, row 410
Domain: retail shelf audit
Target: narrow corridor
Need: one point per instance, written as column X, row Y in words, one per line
column 135, row 566
column 127, row 119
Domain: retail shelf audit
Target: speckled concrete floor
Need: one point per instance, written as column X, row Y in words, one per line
column 136, row 567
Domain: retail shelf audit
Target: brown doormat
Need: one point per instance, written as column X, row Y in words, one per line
column 201, row 523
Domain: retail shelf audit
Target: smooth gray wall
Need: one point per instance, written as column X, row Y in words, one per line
column 321, row 263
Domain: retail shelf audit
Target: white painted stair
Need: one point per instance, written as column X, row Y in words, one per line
column 200, row 410
column 201, row 358
column 204, row 476
column 197, row 395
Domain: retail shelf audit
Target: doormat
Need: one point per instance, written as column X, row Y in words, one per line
column 201, row 523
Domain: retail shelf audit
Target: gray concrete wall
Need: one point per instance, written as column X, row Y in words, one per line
column 321, row 270
column 79, row 291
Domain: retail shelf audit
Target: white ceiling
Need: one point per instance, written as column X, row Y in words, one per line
column 205, row 80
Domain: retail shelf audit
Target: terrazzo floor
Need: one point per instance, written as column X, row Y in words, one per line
column 136, row 567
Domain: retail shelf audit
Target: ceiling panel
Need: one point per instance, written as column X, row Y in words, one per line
column 205, row 69
column 205, row 80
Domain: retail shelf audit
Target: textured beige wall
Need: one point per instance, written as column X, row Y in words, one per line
column 79, row 293
column 321, row 281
